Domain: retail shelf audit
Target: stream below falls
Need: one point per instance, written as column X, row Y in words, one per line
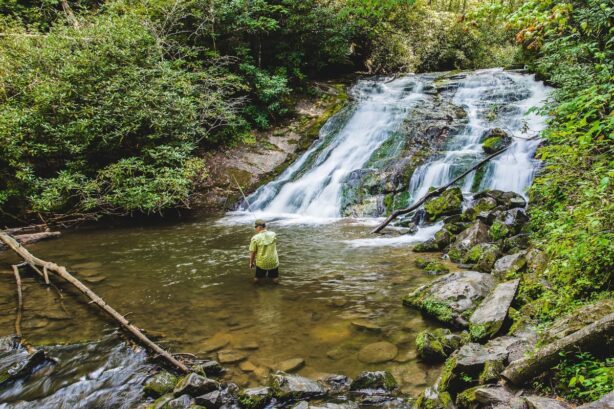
column 187, row 283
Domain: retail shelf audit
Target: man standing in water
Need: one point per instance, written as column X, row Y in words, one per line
column 263, row 253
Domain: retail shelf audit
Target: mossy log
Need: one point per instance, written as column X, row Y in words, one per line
column 435, row 192
column 64, row 274
column 597, row 334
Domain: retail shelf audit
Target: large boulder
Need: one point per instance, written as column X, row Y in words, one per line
column 577, row 320
column 450, row 298
column 448, row 203
column 488, row 318
column 294, row 387
column 475, row 234
column 437, row 345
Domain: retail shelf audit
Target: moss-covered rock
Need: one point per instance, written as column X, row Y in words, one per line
column 255, row 398
column 287, row 387
column 374, row 380
column 491, row 372
column 433, row 399
column 437, row 345
column 450, row 297
column 475, row 234
column 435, row 267
column 429, row 246
column 467, row 399
column 482, row 256
column 495, row 144
column 448, row 203
column 160, row 384
column 499, row 231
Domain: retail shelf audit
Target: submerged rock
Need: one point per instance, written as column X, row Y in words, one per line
column 291, row 365
column 449, row 298
column 363, row 325
column 230, row 357
column 378, row 352
column 488, row 318
column 24, row 367
column 295, row 387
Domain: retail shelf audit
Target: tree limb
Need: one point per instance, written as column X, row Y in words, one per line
column 434, row 193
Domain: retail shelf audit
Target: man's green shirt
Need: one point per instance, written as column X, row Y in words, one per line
column 264, row 244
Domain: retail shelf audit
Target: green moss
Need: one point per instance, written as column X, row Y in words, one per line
column 435, row 267
column 421, row 262
column 478, row 178
column 388, row 200
column 447, row 374
column 498, row 231
column 491, row 372
column 493, row 144
column 448, row 203
column 467, row 399
column 160, row 384
column 438, row 309
column 455, row 255
column 478, row 332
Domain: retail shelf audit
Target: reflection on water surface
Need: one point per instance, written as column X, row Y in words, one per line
column 189, row 286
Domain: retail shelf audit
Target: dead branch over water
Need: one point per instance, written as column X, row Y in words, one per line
column 63, row 273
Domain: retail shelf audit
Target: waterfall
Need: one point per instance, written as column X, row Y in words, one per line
column 492, row 99
column 312, row 185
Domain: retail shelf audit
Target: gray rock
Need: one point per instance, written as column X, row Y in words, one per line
column 578, row 319
column 337, row 384
column 330, row 405
column 491, row 395
column 437, row 345
column 488, row 318
column 606, row 402
column 378, row 352
column 194, row 385
column 255, row 398
column 472, row 357
column 474, row 234
column 216, row 399
column 295, row 387
column 377, row 380
column 209, row 368
column 182, row 402
column 451, row 295
column 512, row 263
column 539, row 402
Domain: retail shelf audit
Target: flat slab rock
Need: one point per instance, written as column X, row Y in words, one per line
column 294, row 387
column 492, row 311
column 290, row 365
column 539, row 402
column 452, row 294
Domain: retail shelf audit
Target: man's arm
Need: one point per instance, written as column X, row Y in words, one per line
column 252, row 258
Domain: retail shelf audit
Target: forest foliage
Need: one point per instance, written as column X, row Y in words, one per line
column 104, row 104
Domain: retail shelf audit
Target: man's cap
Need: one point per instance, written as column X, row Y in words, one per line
column 259, row 222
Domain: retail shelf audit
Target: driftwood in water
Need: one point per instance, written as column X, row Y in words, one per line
column 19, row 301
column 596, row 335
column 434, row 193
column 30, row 238
column 64, row 274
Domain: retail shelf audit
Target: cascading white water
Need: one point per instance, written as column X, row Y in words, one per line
column 492, row 99
column 312, row 186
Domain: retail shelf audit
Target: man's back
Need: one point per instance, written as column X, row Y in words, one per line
column 264, row 244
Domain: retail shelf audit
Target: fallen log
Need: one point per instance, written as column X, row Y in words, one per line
column 30, row 238
column 595, row 335
column 95, row 299
column 434, row 193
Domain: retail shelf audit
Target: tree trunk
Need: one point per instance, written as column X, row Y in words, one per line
column 598, row 334
column 64, row 274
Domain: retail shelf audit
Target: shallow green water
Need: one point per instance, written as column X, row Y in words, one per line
column 188, row 285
